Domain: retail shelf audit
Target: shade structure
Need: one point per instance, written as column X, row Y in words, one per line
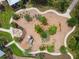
column 12, row 2
column 1, row 53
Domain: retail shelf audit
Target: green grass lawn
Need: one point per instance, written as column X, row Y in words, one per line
column 16, row 50
column 2, row 57
column 5, row 35
column 5, row 17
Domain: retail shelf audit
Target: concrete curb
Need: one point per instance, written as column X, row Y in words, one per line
column 65, row 40
column 40, row 12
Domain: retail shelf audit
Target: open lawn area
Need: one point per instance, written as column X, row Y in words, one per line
column 2, row 57
column 16, row 50
column 6, row 36
column 5, row 17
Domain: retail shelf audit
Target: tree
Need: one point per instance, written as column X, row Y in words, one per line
column 63, row 49
column 72, row 21
column 52, row 30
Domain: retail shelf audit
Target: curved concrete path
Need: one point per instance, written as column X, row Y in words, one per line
column 67, row 14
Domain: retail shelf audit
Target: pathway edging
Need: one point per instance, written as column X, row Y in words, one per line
column 65, row 41
column 67, row 14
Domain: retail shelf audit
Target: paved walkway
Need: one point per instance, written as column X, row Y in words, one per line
column 71, row 7
column 9, row 44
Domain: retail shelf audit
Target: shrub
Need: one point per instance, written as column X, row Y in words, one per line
column 42, row 47
column 72, row 21
column 40, row 2
column 21, row 4
column 63, row 49
column 0, row 25
column 27, row 17
column 52, row 30
column 38, row 29
column 50, row 2
column 16, row 17
column 43, row 34
column 42, row 19
column 72, row 43
column 50, row 48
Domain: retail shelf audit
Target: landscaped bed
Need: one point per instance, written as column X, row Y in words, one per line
column 73, row 43
column 52, row 32
column 59, row 5
column 73, row 39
